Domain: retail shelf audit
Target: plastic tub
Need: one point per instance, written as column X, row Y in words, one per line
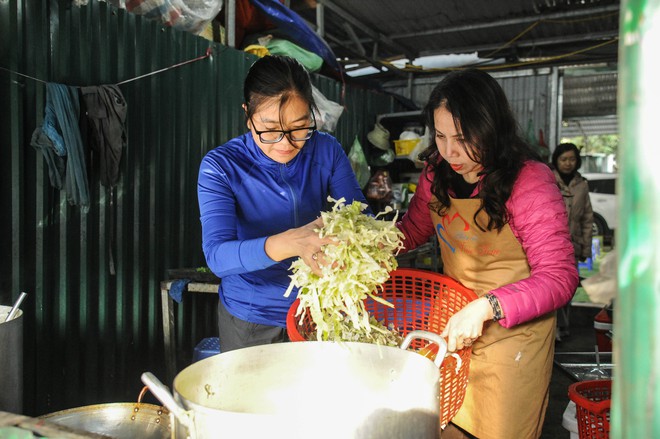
column 405, row 147
column 603, row 326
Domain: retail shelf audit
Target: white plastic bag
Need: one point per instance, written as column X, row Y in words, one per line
column 601, row 287
column 424, row 143
column 329, row 111
column 359, row 163
column 187, row 15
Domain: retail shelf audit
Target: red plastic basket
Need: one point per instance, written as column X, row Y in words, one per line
column 592, row 403
column 422, row 300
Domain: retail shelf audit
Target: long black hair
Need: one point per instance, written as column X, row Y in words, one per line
column 482, row 113
column 276, row 77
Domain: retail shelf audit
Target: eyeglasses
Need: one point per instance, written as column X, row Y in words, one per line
column 295, row 135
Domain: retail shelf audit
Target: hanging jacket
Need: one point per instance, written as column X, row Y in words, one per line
column 244, row 197
column 105, row 109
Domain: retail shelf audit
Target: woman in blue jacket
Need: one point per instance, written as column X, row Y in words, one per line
column 260, row 196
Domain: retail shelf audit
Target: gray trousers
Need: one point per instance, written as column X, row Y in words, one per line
column 235, row 333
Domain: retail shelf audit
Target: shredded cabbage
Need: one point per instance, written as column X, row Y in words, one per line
column 355, row 268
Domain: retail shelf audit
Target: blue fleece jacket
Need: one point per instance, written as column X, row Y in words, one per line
column 244, row 197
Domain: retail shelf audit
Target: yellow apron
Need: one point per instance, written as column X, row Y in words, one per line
column 510, row 369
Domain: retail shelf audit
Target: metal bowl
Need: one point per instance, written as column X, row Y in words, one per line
column 118, row 420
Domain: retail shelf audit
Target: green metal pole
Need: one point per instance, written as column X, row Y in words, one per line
column 636, row 384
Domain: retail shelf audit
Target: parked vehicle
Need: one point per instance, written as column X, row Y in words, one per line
column 596, row 162
column 602, row 194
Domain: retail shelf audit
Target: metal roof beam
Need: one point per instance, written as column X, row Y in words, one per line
column 508, row 22
column 356, row 41
column 521, row 43
column 374, row 62
column 376, row 36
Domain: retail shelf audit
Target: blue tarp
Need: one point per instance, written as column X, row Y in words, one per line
column 292, row 25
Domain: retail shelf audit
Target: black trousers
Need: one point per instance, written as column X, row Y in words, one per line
column 235, row 333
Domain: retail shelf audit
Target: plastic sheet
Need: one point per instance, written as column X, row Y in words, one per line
column 297, row 30
column 329, row 111
column 188, row 15
column 359, row 163
column 602, row 287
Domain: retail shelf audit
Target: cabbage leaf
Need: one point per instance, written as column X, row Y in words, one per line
column 354, row 269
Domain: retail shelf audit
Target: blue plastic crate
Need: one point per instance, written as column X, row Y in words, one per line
column 206, row 348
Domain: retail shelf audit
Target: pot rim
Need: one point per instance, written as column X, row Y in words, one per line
column 145, row 409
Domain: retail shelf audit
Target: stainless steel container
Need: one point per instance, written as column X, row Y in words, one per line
column 308, row 389
column 11, row 361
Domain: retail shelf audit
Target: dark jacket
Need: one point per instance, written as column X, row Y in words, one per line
column 580, row 214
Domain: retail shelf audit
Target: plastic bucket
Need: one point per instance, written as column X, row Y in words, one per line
column 603, row 326
column 11, row 361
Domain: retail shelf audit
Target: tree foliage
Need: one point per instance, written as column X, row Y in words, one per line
column 604, row 143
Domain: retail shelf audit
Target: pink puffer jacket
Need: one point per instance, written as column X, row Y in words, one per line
column 539, row 222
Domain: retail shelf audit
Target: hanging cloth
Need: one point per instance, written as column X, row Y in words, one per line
column 103, row 127
column 105, row 111
column 55, row 161
column 60, row 132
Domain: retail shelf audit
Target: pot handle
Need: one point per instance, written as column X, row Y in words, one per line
column 430, row 336
column 163, row 394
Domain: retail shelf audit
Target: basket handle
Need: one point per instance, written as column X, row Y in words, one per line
column 429, row 336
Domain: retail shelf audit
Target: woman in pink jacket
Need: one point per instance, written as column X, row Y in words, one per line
column 503, row 232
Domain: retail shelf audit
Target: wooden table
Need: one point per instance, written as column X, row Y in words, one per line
column 168, row 319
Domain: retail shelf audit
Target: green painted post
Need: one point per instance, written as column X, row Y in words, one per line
column 636, row 384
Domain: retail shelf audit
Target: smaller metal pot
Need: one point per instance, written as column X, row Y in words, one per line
column 122, row 420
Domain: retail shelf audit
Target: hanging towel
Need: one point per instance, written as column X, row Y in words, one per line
column 104, row 128
column 56, row 163
column 61, row 127
column 176, row 289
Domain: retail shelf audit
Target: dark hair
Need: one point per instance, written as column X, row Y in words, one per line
column 276, row 76
column 565, row 147
column 482, row 112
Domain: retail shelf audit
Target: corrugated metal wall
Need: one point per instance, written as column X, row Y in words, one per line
column 89, row 333
column 532, row 95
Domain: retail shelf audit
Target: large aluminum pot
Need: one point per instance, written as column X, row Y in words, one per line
column 121, row 420
column 308, row 390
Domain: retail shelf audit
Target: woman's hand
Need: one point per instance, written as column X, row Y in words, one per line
column 464, row 327
column 303, row 242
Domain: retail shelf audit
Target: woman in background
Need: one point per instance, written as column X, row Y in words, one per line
column 574, row 188
column 503, row 233
column 260, row 195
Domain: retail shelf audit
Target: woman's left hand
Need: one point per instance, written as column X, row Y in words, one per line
column 464, row 327
column 302, row 241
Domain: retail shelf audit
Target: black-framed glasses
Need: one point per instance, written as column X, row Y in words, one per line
column 295, row 135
